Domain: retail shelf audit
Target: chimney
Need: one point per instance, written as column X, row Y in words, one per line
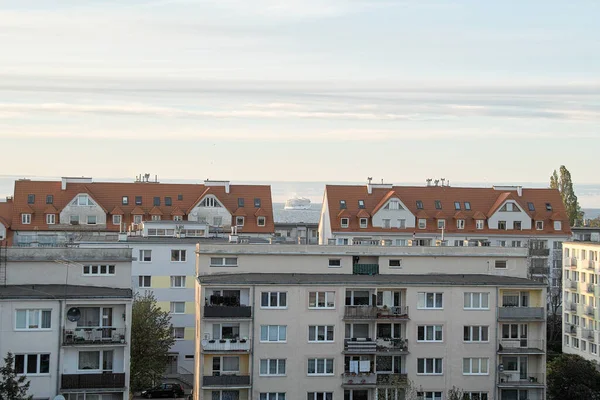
column 68, row 179
column 519, row 191
column 225, row 184
column 369, row 187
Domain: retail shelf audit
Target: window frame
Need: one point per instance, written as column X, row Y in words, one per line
column 395, row 261
column 327, row 362
column 279, row 297
column 269, row 361
column 263, row 219
column 539, row 225
column 119, row 216
column 50, row 219
column 177, row 329
column 40, row 321
column 326, row 294
column 471, row 296
column 424, row 223
column 240, row 220
column 496, row 263
column 38, row 365
column 143, row 254
column 479, row 366
column 557, row 225
column 435, row 296
column 181, row 255
column 344, row 225
column 479, row 224
column 95, row 219
column 330, row 265
column 363, row 223
column 49, row 199
column 434, row 365
column 268, row 331
column 26, row 218
column 98, row 267
column 174, row 305
column 434, row 331
column 182, row 279
column 480, row 329
column 223, row 262
column 142, row 281
column 441, row 224
column 327, row 329
column 460, row 224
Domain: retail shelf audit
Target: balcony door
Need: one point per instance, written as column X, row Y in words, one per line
column 225, row 366
column 358, row 298
column 357, row 331
column 515, row 332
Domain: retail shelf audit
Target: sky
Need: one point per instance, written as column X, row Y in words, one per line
column 300, row 90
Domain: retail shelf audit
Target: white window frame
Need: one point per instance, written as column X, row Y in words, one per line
column 320, row 395
column 142, row 281
column 175, row 305
column 422, row 300
column 143, row 253
column 137, row 219
column 38, row 364
column 87, row 220
column 116, row 219
column 364, row 222
column 328, row 296
column 267, row 329
column 429, row 395
column 26, row 219
column 395, row 261
column 469, row 298
column 476, row 364
column 436, row 361
column 460, row 224
column 441, row 224
column 433, row 330
column 50, row 219
column 335, row 266
column 280, row 366
column 479, row 224
column 174, row 279
column 314, row 330
column 155, row 217
column 180, row 255
column 30, row 314
column 223, row 262
column 480, row 329
column 279, row 295
column 271, row 396
column 557, row 225
column 327, row 362
column 88, row 270
column 178, row 329
column 261, row 221
column 239, row 221
column 539, row 225
column 177, row 218
column 346, row 224
column 422, row 223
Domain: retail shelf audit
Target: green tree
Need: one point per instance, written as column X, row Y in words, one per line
column 562, row 181
column 457, row 394
column 573, row 377
column 11, row 386
column 151, row 339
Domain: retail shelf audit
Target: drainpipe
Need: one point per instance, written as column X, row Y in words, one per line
column 60, row 334
column 252, row 337
column 496, row 342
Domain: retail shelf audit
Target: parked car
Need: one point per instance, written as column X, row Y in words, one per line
column 173, row 390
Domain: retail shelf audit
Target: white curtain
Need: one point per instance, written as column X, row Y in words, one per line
column 89, row 360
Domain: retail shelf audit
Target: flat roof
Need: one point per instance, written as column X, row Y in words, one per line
column 69, row 254
column 366, row 280
column 62, row 292
column 582, row 243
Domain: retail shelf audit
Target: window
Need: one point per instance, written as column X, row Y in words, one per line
column 344, row 222
column 335, row 262
column 272, row 396
column 320, row 333
column 178, row 255
column 500, row 263
column 261, row 221
column 430, row 300
column 429, row 395
column 256, row 202
column 239, row 221
column 460, row 224
column 156, row 218
column 98, row 269
column 145, row 255
column 116, row 220
column 125, row 200
column 272, row 367
column 156, row 201
column 33, row 319
column 475, row 396
column 273, row 300
column 502, row 225
column 177, row 218
column 397, row 263
column 320, row 396
column 517, row 225
column 475, row 366
column 50, row 219
column 479, row 224
column 320, row 366
column 178, row 332
column 419, row 205
column 30, row 364
column 386, row 223
column 240, row 202
column 393, row 204
column 361, row 204
column 441, row 223
column 179, row 197
column 557, row 225
column 91, row 220
column 539, row 225
column 422, row 223
column 467, row 205
column 364, row 222
column 429, row 366
column 49, row 199
column 31, row 199
column 321, row 300
column 342, row 204
column 223, row 262
column 548, row 207
column 177, row 307
column 438, row 205
column 168, row 201
column 475, row 334
column 273, row 333
column 74, row 219
column 530, row 206
column 476, row 301
column 457, row 205
column 429, row 333
column 26, row 219
column 145, row 281
column 178, row 281
column 138, row 200
column 402, row 223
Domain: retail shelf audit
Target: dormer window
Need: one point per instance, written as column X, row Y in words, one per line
column 137, row 219
column 50, row 219
column 441, row 223
column 261, row 221
column 548, row 207
column 460, row 224
column 125, row 200
column 419, row 205
column 239, row 221
column 457, row 205
column 438, row 205
column 479, row 224
column 530, row 206
column 557, row 225
column 361, row 204
column 344, row 222
column 240, row 202
column 26, row 219
column 364, row 222
column 177, row 218
column 467, row 205
column 156, row 218
column 422, row 223
column 83, row 200
column 256, row 202
column 342, row 204
column 539, row 225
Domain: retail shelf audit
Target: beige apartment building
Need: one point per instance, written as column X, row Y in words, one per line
column 282, row 322
column 581, row 291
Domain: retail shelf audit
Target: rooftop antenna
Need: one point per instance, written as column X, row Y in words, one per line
column 428, row 180
column 443, row 179
column 369, row 179
column 147, row 177
column 436, row 182
column 448, row 182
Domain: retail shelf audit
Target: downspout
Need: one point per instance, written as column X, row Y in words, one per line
column 496, row 342
column 60, row 333
column 252, row 337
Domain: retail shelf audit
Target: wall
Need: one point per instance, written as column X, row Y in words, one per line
column 510, row 217
column 394, row 215
column 209, row 213
column 325, row 223
column 2, row 231
column 83, row 212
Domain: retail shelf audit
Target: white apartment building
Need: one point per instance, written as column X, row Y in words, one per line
column 581, row 319
column 65, row 313
column 329, row 322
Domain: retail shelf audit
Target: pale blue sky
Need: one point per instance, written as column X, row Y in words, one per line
column 301, row 90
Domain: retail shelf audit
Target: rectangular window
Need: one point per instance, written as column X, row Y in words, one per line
column 33, row 319
column 320, row 333
column 31, row 199
column 125, row 200
column 476, row 301
column 137, row 219
column 178, row 281
column 361, row 204
column 273, row 333
column 138, row 200
column 321, row 300
column 273, row 300
column 386, row 223
column 32, row 364
column 475, row 366
column 239, row 221
column 344, row 222
column 335, row 262
column 26, row 219
column 145, row 281
column 396, row 263
column 89, row 360
column 429, row 396
column 91, row 220
column 429, row 333
column 320, row 366
column 557, row 225
column 178, row 333
column 502, row 225
column 145, row 255
column 223, row 262
column 178, row 255
column 342, row 204
column 479, row 224
column 475, row 333
column 116, row 220
column 430, row 300
column 98, row 270
column 457, row 205
column 402, row 223
column 156, row 201
column 179, row 197
column 441, row 223
column 539, row 225
column 419, row 205
column 517, row 225
column 320, row 396
column 460, row 224
column 422, row 223
column 240, row 202
column 168, row 201
column 467, row 205
column 49, row 199
column 272, row 396
column 272, row 367
column 50, row 219
column 476, row 396
column 500, row 263
column 256, row 202
column 177, row 307
column 429, row 366
column 438, row 205
column 363, row 222
column 261, row 221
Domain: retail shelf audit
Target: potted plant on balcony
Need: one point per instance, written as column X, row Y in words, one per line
column 122, row 338
column 243, row 340
column 211, row 341
column 222, row 341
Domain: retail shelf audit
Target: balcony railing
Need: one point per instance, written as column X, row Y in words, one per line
column 573, row 285
column 588, row 334
column 523, row 345
column 570, row 306
column 574, row 262
column 591, row 264
column 521, row 313
column 95, row 336
column 539, row 252
column 365, row 269
column 227, row 312
column 570, row 329
column 507, row 378
column 359, row 379
column 225, row 380
column 360, row 312
column 589, row 310
column 360, row 345
column 539, row 270
column 392, row 312
column 93, row 381
column 392, row 345
column 590, row 288
column 241, row 345
column 392, row 379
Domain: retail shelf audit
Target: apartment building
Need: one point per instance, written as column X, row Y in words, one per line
column 65, row 313
column 296, row 226
column 581, row 319
column 330, row 322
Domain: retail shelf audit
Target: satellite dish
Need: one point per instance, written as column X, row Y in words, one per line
column 204, row 342
column 73, row 315
column 59, row 397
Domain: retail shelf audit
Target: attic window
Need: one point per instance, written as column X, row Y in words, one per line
column 125, row 200
column 438, row 205
column 548, row 207
column 361, row 204
column 49, row 199
column 168, row 201
column 419, row 205
column 179, row 197
column 138, row 200
column 30, row 198
column 467, row 205
column 457, row 205
column 256, row 202
column 530, row 206
column 342, row 204
column 344, row 222
column 157, row 201
column 240, row 202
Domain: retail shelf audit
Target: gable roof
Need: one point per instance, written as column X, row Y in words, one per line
column 155, row 211
column 6, row 213
column 390, row 195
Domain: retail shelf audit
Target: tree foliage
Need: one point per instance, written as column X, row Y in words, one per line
column 573, row 377
column 457, row 394
column 562, row 181
column 11, row 386
column 151, row 339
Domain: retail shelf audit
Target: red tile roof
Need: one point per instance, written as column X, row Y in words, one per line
column 6, row 213
column 482, row 201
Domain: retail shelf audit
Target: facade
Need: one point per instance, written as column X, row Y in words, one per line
column 585, row 234
column 296, row 225
column 65, row 313
column 330, row 322
column 581, row 319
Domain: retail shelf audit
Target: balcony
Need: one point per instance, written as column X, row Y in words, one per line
column 591, row 264
column 227, row 312
column 360, row 379
column 573, row 262
column 223, row 345
column 521, row 313
column 539, row 270
column 392, row 345
column 93, row 381
column 93, row 336
column 571, row 307
column 539, row 252
column 392, row 379
column 589, row 310
column 570, row 329
column 360, row 312
column 588, row 334
column 227, row 381
column 365, row 269
column 521, row 346
column 573, row 285
column 516, row 379
column 591, row 288
column 392, row 312
column 360, row 346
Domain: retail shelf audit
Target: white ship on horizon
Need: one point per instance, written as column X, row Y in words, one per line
column 297, row 203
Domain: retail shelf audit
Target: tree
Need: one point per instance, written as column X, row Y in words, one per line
column 564, row 184
column 151, row 339
column 573, row 377
column 11, row 386
column 457, row 394
column 397, row 383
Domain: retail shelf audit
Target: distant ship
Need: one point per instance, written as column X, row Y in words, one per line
column 298, row 203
